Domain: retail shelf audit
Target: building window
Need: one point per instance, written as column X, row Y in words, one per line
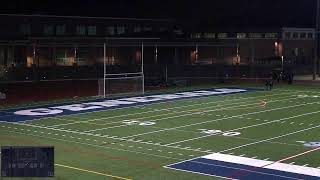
column 25, row 29
column 209, row 35
column 241, row 35
column 48, row 30
column 271, row 35
column 61, row 30
column 295, row 35
column 147, row 28
column 255, row 35
column 81, row 30
column 222, row 35
column 137, row 29
column 287, row 35
column 303, row 35
column 121, row 30
column 163, row 29
column 310, row 35
column 178, row 32
column 110, row 31
column 196, row 36
column 92, row 30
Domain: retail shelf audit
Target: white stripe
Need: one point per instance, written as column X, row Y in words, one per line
column 233, row 99
column 231, row 117
column 269, row 139
column 265, row 164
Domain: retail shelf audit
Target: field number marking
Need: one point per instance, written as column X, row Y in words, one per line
column 140, row 123
column 219, row 132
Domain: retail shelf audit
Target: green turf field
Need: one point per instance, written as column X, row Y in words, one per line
column 135, row 143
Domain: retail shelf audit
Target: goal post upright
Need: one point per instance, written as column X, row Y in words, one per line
column 104, row 69
column 142, row 66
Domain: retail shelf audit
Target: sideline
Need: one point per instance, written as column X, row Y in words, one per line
column 92, row 172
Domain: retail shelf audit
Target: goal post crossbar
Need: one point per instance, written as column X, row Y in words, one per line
column 122, row 76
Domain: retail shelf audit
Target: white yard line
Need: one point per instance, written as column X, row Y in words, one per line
column 123, row 138
column 269, row 139
column 187, row 140
column 235, row 137
column 112, row 127
column 99, row 146
column 165, row 109
column 216, row 120
column 246, row 127
column 106, row 136
column 187, row 114
column 146, row 112
column 80, row 133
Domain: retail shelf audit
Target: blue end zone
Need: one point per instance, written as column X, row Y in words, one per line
column 10, row 116
column 234, row 171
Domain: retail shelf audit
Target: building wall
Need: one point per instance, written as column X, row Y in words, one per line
column 38, row 43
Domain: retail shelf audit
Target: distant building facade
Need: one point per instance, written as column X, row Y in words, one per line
column 39, row 43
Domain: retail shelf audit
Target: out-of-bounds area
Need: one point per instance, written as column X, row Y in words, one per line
column 256, row 134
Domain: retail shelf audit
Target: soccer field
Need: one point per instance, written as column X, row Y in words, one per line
column 166, row 140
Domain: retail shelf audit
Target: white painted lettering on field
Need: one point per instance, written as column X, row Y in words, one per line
column 166, row 96
column 38, row 112
column 189, row 94
column 111, row 103
column 77, row 107
column 122, row 102
column 143, row 99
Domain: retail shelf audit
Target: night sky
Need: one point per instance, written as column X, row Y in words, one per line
column 216, row 13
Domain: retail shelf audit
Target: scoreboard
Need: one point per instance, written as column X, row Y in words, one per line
column 27, row 161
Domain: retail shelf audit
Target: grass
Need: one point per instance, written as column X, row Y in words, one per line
column 139, row 152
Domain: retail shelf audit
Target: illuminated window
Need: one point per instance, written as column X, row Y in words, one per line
column 209, row 35
column 255, row 35
column 271, row 35
column 222, row 35
column 196, row 36
column 81, row 30
column 92, row 30
column 241, row 35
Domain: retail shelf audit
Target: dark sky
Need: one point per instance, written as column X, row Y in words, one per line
column 217, row 13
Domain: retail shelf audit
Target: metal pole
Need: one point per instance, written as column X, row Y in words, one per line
column 142, row 66
column 156, row 54
column 197, row 52
column 282, row 64
column 104, row 70
column 316, row 53
column 166, row 73
column 317, row 35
